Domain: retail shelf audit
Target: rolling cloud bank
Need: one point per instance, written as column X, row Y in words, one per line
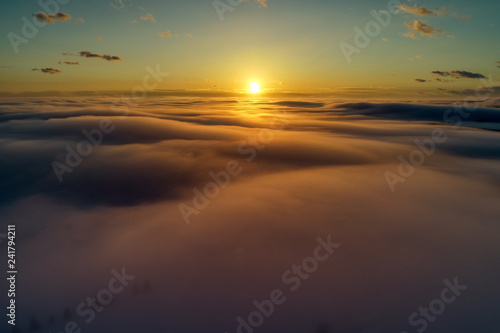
column 93, row 185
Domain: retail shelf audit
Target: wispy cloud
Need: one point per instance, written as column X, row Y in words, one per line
column 459, row 74
column 51, row 18
column 465, row 18
column 118, row 4
column 48, row 70
column 98, row 37
column 149, row 17
column 166, row 34
column 263, row 3
column 442, row 80
column 418, row 28
column 69, row 62
column 88, row 54
column 421, row 80
column 189, row 35
column 423, row 11
column 79, row 20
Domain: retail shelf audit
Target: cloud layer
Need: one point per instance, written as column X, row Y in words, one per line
column 321, row 174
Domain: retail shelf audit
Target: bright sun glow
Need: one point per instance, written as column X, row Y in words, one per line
column 254, row 87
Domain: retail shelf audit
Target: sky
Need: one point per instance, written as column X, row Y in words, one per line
column 211, row 200
column 292, row 46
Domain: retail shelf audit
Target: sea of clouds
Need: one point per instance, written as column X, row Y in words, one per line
column 306, row 169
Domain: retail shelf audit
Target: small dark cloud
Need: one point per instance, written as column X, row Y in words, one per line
column 497, row 63
column 69, row 62
column 111, row 58
column 440, row 73
column 468, row 75
column 459, row 74
column 420, row 80
column 88, row 54
column 51, row 18
column 107, row 57
column 48, row 70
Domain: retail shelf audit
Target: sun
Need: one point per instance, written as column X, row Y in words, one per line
column 255, row 87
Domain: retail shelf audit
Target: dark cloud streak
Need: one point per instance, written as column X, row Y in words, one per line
column 459, row 74
column 88, row 54
column 48, row 70
column 51, row 18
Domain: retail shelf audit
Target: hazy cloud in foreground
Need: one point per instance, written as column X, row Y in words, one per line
column 322, row 174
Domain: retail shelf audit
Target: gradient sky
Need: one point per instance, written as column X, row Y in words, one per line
column 287, row 45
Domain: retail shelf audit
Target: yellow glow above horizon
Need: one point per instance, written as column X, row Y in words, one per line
column 255, row 87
